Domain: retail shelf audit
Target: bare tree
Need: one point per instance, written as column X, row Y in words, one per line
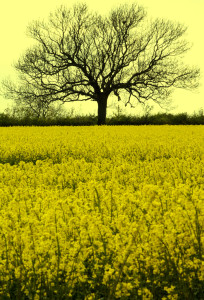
column 29, row 103
column 35, row 111
column 80, row 56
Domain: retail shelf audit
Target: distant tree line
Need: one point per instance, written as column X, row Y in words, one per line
column 10, row 119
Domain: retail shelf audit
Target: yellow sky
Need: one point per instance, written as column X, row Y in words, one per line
column 15, row 15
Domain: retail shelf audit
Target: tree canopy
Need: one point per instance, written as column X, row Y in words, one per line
column 80, row 55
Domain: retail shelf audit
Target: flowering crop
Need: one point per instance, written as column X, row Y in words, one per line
column 102, row 212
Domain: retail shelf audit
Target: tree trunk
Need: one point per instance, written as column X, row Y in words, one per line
column 102, row 105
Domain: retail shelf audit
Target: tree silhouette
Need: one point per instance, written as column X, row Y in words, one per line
column 80, row 55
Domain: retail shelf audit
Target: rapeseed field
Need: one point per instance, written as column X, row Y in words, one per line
column 102, row 212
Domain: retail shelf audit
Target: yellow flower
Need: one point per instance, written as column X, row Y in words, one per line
column 101, row 206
